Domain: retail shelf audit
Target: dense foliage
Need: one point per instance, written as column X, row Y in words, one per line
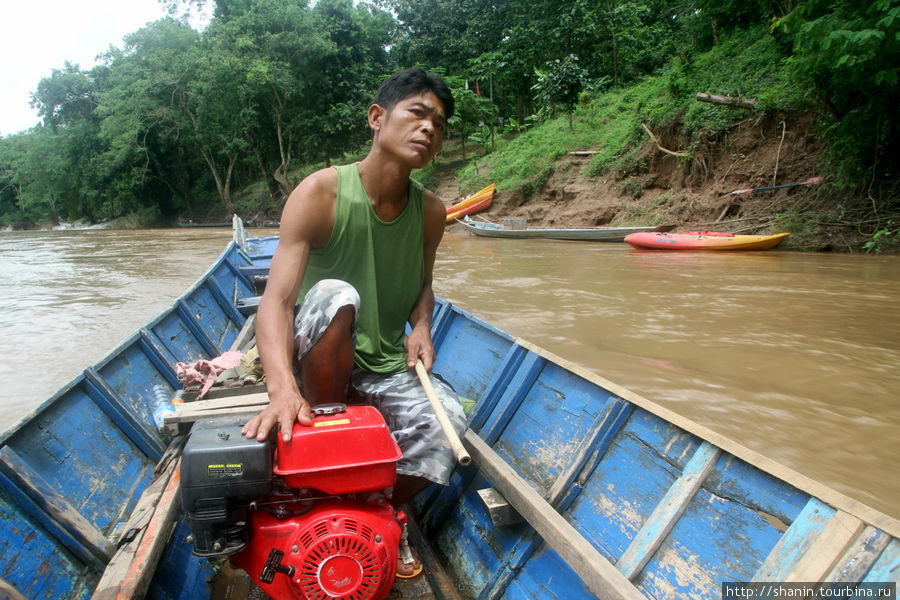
column 174, row 121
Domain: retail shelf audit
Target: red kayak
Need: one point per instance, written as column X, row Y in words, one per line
column 703, row 240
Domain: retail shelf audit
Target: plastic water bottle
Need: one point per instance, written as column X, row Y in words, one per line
column 162, row 405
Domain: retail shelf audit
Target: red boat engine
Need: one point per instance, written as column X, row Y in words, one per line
column 307, row 519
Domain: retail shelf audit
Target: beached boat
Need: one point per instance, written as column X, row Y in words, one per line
column 470, row 205
column 704, row 240
column 516, row 229
column 578, row 488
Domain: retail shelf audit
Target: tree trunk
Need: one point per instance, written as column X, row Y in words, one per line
column 615, row 42
column 181, row 173
column 726, row 100
column 221, row 186
column 226, row 196
column 271, row 184
column 284, row 149
column 52, row 200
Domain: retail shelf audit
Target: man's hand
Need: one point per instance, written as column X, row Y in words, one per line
column 280, row 413
column 419, row 347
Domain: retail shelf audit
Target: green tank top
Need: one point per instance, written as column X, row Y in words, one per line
column 382, row 260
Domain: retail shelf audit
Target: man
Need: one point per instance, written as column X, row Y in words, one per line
column 357, row 246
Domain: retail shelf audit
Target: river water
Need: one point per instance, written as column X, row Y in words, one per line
column 794, row 355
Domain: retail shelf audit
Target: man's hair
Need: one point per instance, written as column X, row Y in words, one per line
column 413, row 81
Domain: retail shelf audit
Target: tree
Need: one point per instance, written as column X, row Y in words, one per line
column 67, row 103
column 850, row 52
column 561, row 83
column 280, row 52
column 150, row 139
column 359, row 60
column 473, row 113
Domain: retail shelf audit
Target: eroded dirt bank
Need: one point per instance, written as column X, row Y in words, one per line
column 694, row 192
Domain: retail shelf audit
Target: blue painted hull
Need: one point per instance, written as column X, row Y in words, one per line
column 671, row 509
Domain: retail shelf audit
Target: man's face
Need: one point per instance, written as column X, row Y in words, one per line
column 414, row 128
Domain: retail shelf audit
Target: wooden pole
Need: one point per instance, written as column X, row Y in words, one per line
column 455, row 443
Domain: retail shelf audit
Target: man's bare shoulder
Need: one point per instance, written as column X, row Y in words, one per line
column 320, row 186
column 432, row 202
column 435, row 216
column 309, row 211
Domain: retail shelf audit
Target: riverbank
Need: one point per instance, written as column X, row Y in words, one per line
column 679, row 176
column 694, row 192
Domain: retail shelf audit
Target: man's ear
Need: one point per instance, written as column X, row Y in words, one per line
column 377, row 116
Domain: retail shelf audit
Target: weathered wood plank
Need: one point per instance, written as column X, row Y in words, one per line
column 57, row 508
column 512, row 398
column 246, row 335
column 667, row 512
column 600, row 577
column 860, row 556
column 202, row 409
column 795, row 542
column 605, row 426
column 434, row 570
column 128, row 573
column 227, row 391
column 887, row 566
column 253, row 399
column 218, row 412
column 827, row 548
column 138, row 577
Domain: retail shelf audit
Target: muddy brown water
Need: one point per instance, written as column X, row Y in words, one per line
column 794, row 355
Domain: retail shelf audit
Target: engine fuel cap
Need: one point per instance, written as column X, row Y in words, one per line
column 324, row 410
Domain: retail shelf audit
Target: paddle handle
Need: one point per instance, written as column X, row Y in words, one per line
column 455, row 443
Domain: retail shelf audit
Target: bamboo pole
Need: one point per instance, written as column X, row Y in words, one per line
column 455, row 443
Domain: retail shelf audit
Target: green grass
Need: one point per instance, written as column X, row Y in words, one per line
column 747, row 64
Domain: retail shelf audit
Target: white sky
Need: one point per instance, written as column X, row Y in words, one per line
column 40, row 35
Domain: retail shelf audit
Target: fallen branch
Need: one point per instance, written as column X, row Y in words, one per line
column 656, row 141
column 711, row 223
column 729, row 101
column 810, row 181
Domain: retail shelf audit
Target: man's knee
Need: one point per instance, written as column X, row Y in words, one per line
column 329, row 308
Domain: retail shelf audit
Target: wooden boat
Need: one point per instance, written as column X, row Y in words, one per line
column 704, row 240
column 477, row 202
column 578, row 488
column 516, row 229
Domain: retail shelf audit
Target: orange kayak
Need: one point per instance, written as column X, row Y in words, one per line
column 471, row 204
column 458, row 213
column 703, row 240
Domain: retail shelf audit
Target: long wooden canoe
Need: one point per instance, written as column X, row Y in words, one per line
column 579, row 488
column 585, row 234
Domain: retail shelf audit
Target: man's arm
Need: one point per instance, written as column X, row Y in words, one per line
column 418, row 344
column 306, row 223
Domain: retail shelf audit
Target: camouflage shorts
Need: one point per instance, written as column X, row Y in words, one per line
column 399, row 396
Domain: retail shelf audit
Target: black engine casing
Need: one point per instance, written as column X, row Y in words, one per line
column 219, row 468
